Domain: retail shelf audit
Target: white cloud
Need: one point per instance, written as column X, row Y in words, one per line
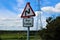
column 40, row 20
column 52, row 9
column 47, row 9
column 20, row 5
column 4, row 13
column 19, row 15
column 16, row 23
column 38, row 13
column 20, row 2
column 57, row 6
column 11, row 24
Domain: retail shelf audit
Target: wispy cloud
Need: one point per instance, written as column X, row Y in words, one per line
column 4, row 13
column 20, row 5
column 15, row 24
column 52, row 9
column 41, row 19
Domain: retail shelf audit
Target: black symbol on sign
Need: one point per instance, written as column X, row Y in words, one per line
column 27, row 12
column 27, row 20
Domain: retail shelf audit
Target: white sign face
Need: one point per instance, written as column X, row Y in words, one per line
column 28, row 11
column 28, row 22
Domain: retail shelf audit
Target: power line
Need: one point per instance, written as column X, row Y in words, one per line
column 39, row 9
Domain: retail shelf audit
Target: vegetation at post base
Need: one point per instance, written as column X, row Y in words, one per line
column 52, row 31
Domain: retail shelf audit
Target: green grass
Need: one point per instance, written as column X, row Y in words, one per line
column 14, row 36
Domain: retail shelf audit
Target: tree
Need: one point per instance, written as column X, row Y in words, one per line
column 53, row 29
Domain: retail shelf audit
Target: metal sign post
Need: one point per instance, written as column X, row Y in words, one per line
column 28, row 36
column 28, row 22
column 27, row 15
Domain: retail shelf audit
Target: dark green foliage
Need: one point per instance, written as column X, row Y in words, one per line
column 48, row 20
column 53, row 29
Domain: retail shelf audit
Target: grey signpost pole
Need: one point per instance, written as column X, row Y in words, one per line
column 28, row 36
column 28, row 22
column 27, row 15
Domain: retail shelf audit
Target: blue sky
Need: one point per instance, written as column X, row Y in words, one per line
column 11, row 10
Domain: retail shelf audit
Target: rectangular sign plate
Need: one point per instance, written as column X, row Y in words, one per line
column 28, row 22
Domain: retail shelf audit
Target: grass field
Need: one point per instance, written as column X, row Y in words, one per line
column 17, row 36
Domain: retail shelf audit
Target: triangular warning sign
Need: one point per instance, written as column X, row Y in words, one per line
column 28, row 12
